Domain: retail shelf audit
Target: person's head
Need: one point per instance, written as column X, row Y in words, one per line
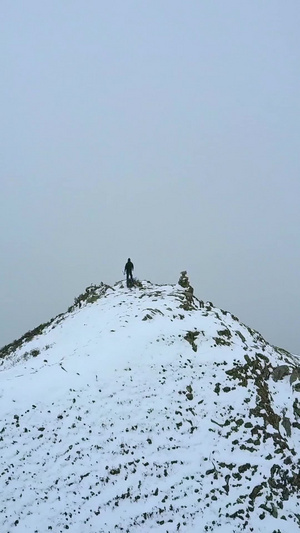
column 128, row 258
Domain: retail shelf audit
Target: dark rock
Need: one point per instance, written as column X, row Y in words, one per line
column 287, row 425
column 295, row 375
column 184, row 280
column 280, row 372
column 191, row 337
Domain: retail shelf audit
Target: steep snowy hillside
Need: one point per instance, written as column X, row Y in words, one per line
column 148, row 410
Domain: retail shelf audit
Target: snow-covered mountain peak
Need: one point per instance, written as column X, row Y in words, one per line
column 148, row 409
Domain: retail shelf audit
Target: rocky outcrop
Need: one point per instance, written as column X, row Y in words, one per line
column 280, row 372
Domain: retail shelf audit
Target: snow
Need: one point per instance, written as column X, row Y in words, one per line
column 117, row 424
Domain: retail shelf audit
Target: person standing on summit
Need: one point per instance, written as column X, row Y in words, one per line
column 128, row 269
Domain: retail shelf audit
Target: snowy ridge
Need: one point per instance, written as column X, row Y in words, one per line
column 148, row 410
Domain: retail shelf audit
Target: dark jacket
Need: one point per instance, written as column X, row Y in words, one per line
column 129, row 266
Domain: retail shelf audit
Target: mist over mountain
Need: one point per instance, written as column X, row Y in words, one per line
column 147, row 409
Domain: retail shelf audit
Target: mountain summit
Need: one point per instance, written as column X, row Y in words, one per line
column 148, row 410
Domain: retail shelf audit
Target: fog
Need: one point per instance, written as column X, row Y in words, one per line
column 162, row 131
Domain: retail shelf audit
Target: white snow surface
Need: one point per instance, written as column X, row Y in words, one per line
column 112, row 421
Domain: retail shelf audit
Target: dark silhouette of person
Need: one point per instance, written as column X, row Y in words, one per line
column 128, row 269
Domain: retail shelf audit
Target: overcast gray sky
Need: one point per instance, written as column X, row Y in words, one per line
column 167, row 131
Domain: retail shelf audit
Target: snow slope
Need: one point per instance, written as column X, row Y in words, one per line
column 148, row 410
